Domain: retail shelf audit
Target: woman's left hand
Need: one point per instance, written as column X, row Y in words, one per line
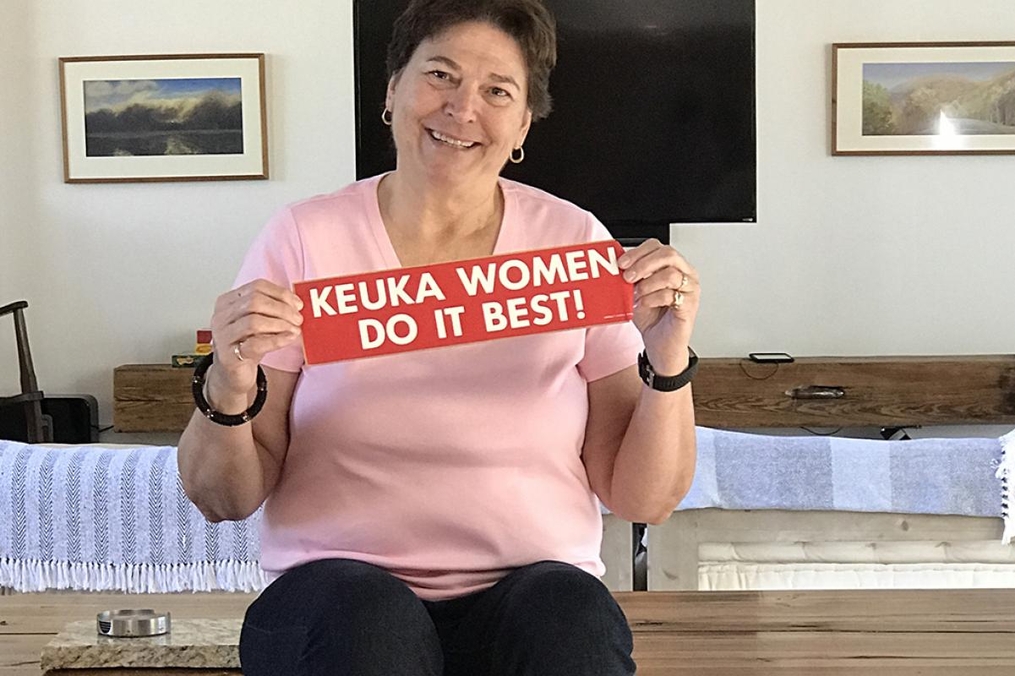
column 666, row 295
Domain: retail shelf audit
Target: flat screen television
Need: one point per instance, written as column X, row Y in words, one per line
column 654, row 111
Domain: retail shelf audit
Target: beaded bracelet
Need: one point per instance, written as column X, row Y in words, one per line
column 229, row 420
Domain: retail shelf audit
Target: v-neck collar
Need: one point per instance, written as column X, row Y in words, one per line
column 383, row 241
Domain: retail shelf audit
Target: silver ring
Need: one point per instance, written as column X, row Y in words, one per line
column 683, row 282
column 678, row 300
column 236, row 351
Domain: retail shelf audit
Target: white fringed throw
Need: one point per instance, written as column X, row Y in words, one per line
column 114, row 519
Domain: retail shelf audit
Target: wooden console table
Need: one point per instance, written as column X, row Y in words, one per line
column 151, row 398
column 728, row 393
column 857, row 392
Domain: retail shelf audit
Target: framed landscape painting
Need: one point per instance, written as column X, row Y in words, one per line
column 946, row 98
column 188, row 117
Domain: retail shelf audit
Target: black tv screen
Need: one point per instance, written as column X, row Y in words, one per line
column 654, row 112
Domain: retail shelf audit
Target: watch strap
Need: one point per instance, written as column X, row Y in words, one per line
column 666, row 383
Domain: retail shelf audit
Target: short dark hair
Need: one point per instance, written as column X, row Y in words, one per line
column 529, row 22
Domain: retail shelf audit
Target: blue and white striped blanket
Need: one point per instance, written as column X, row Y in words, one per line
column 965, row 476
column 100, row 518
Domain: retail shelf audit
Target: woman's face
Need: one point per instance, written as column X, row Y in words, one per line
column 459, row 106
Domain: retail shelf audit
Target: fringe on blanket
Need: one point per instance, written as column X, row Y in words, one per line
column 1006, row 473
column 36, row 575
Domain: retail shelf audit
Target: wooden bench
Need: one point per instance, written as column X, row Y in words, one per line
column 799, row 633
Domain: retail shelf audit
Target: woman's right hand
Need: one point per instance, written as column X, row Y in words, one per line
column 249, row 322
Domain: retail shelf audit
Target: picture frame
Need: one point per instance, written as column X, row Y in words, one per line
column 923, row 98
column 167, row 117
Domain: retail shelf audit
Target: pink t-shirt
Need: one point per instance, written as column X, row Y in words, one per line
column 450, row 466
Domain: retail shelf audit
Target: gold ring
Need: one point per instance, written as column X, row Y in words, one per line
column 683, row 282
column 236, row 351
column 678, row 300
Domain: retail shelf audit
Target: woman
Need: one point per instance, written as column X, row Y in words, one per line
column 436, row 512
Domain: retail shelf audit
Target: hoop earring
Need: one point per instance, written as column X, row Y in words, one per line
column 386, row 117
column 521, row 155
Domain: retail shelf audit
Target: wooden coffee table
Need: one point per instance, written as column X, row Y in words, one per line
column 948, row 632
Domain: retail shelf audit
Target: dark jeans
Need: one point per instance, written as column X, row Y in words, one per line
column 347, row 618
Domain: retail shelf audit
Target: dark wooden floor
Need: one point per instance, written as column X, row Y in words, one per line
column 813, row 633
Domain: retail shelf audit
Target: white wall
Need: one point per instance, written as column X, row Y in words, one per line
column 858, row 255
column 125, row 273
column 17, row 206
column 850, row 256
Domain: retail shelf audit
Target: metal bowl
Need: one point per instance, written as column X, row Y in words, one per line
column 131, row 622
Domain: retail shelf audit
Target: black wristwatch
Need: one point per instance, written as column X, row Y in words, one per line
column 666, row 383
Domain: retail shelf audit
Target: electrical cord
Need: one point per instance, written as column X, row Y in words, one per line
column 822, row 434
column 742, row 369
